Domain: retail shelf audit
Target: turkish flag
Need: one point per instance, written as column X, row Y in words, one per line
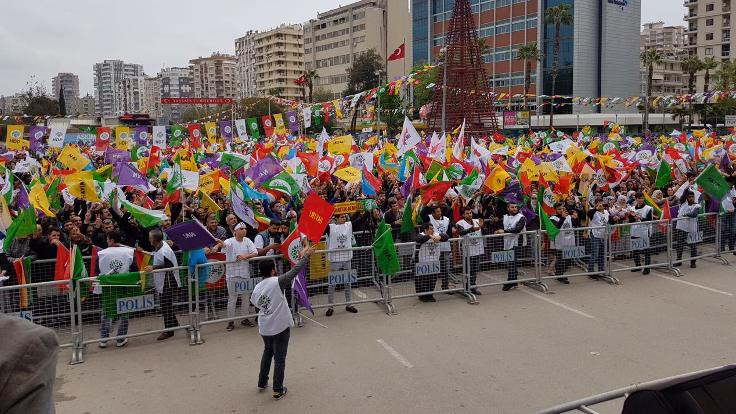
column 399, row 53
column 195, row 133
column 103, row 139
column 268, row 125
column 316, row 215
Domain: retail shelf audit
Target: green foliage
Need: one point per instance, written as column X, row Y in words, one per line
column 422, row 95
column 41, row 105
column 244, row 109
column 391, row 113
column 322, row 95
column 365, row 72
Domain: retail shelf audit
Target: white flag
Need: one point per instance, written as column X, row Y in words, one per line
column 438, row 147
column 307, row 112
column 459, row 146
column 242, row 129
column 323, row 138
column 56, row 137
column 159, row 136
column 409, row 137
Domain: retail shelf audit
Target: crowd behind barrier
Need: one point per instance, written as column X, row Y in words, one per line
column 89, row 311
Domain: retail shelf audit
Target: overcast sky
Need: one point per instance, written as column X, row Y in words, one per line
column 44, row 37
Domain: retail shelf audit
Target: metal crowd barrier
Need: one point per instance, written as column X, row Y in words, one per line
column 111, row 314
column 700, row 237
column 638, row 246
column 504, row 260
column 575, row 252
column 426, row 272
column 727, row 232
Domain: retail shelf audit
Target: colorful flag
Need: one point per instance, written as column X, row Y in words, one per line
column 315, row 216
column 436, row 191
column 102, row 142
column 8, row 186
column 268, row 126
column 496, row 180
column 195, row 135
column 652, row 204
column 293, row 122
column 284, row 183
column 384, row 250
column 177, row 135
column 127, row 175
column 280, row 127
column 546, row 223
column 409, row 137
column 145, row 217
column 122, row 138
column 23, row 225
column 39, row 200
column 22, row 269
column 118, row 286
column 210, row 128
column 226, row 131
column 340, row 145
column 71, row 157
column 664, row 175
column 36, row 137
column 370, row 185
column 13, row 135
column 263, row 171
column 233, row 160
column 253, row 128
column 292, row 246
column 141, row 136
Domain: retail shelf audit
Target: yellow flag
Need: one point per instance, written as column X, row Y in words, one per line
column 530, row 169
column 188, row 165
column 82, row 188
column 279, row 121
column 72, row 158
column 208, row 203
column 211, row 129
column 496, row 181
column 39, row 200
column 210, row 182
column 390, row 149
column 122, row 138
column 349, row 174
column 225, row 184
column 340, row 145
column 338, row 109
column 104, row 169
column 14, row 138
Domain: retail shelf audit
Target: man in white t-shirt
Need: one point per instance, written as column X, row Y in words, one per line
column 339, row 237
column 238, row 250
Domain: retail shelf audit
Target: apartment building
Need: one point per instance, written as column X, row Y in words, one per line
column 214, row 76
column 709, row 31
column 336, row 37
column 107, row 75
column 129, row 95
column 669, row 41
column 70, row 83
column 245, row 70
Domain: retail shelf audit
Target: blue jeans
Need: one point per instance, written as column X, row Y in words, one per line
column 596, row 255
column 106, row 326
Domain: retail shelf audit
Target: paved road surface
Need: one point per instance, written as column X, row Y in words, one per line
column 515, row 352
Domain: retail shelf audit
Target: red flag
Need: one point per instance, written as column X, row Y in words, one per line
column 103, row 139
column 372, row 180
column 310, row 161
column 195, row 133
column 399, row 53
column 316, row 215
column 93, row 262
column 456, row 214
column 154, row 159
column 268, row 125
column 326, row 111
column 435, row 191
column 61, row 268
column 216, row 279
column 291, row 247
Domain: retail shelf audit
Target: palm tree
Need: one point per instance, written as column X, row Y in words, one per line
column 679, row 113
column 691, row 66
column 310, row 76
column 649, row 58
column 726, row 76
column 557, row 15
column 708, row 64
column 529, row 52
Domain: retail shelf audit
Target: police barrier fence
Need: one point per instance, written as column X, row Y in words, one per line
column 113, row 308
column 503, row 259
column 575, row 252
column 699, row 236
column 727, row 232
column 641, row 246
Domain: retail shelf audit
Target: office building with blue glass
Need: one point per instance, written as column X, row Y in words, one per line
column 599, row 53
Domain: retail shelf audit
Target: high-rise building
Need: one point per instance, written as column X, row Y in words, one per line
column 174, row 83
column 82, row 106
column 245, row 72
column 129, row 95
column 336, row 37
column 709, row 32
column 214, row 76
column 70, row 83
column 107, row 75
column 271, row 61
column 669, row 41
column 598, row 52
column 152, row 97
column 13, row 105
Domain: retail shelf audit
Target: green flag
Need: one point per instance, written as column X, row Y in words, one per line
column 145, row 217
column 253, row 128
column 546, row 223
column 664, row 175
column 53, row 194
column 384, row 250
column 407, row 225
column 23, row 225
column 175, row 181
column 118, row 286
column 232, row 160
column 712, row 182
column 177, row 135
column 434, row 169
column 283, row 182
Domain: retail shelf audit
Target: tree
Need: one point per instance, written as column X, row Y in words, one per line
column 528, row 53
column 422, row 94
column 244, row 109
column 277, row 92
column 41, row 105
column 649, row 58
column 62, row 102
column 483, row 47
column 392, row 113
column 691, row 66
column 322, row 95
column 678, row 114
column 557, row 15
column 310, row 76
column 725, row 76
column 708, row 64
column 365, row 72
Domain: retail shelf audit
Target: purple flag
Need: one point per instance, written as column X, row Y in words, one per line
column 512, row 193
column 114, row 156
column 21, row 200
column 141, row 135
column 528, row 213
column 263, row 170
column 300, row 288
column 37, row 133
column 725, row 166
column 190, row 235
column 127, row 175
column 226, row 131
column 212, row 162
column 293, row 122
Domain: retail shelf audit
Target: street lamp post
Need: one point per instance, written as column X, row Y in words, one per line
column 378, row 105
column 444, row 89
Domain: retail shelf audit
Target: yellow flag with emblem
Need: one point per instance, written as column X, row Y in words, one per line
column 340, row 145
column 208, row 203
column 210, row 182
column 349, row 174
column 72, row 158
column 82, row 186
column 122, row 138
column 211, row 130
column 496, row 180
column 39, row 200
column 14, row 138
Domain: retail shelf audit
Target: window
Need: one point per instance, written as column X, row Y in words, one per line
column 709, row 36
column 503, row 26
column 518, row 23
column 708, row 51
column 709, row 7
column 709, row 22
